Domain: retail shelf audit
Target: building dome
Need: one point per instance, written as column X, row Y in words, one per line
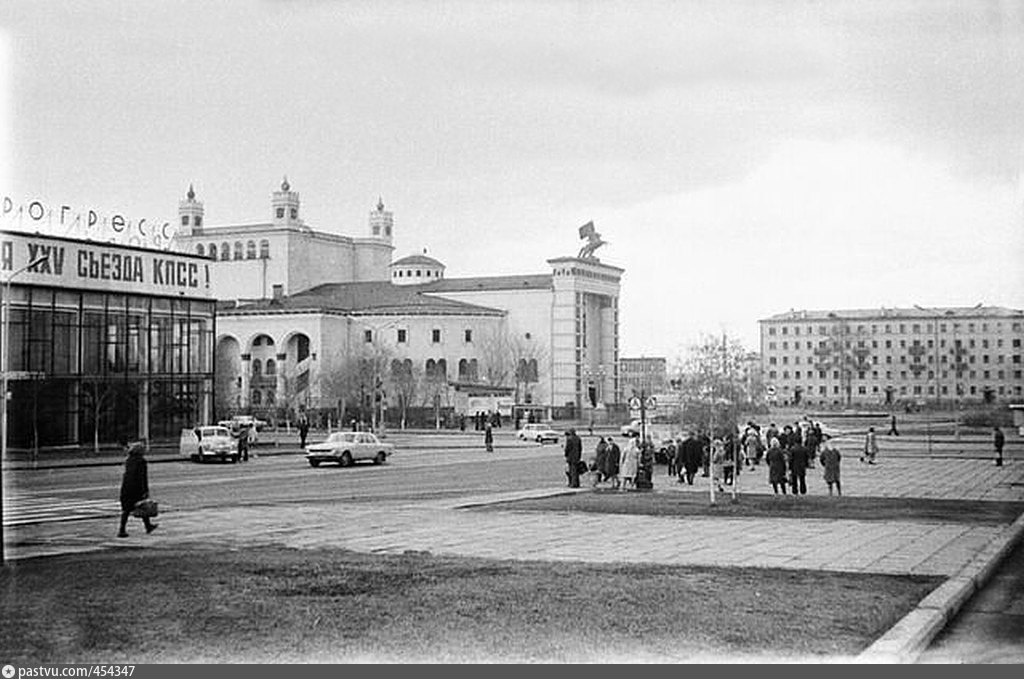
column 415, row 270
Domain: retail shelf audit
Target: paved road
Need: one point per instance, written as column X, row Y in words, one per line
column 430, row 469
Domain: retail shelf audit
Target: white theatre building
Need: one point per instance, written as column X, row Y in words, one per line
column 317, row 320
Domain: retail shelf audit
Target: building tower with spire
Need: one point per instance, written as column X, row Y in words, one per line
column 190, row 214
column 382, row 222
column 285, row 206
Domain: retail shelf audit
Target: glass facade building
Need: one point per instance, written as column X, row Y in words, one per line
column 93, row 356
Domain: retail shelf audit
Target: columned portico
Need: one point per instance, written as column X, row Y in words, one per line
column 584, row 333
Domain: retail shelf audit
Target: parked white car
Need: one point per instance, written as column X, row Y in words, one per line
column 208, row 442
column 537, row 432
column 348, row 447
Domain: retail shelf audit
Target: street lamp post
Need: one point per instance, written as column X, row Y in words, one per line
column 4, row 378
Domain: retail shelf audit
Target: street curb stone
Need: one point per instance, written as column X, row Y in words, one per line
column 911, row 635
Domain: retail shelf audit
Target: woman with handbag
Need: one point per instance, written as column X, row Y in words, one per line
column 134, row 487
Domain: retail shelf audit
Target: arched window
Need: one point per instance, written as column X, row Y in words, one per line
column 531, row 372
column 238, row 249
column 474, row 373
column 257, row 368
column 396, row 368
column 302, row 348
column 271, row 367
column 200, row 250
column 442, row 369
column 463, row 369
column 212, row 250
column 270, row 397
column 225, row 252
column 250, row 250
column 257, row 397
column 430, row 367
column 264, row 249
column 407, row 366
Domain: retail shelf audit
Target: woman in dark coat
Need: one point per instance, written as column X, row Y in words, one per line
column 776, row 459
column 134, row 487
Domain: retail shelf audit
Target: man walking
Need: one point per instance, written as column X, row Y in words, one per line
column 892, row 427
column 573, row 455
column 303, row 431
column 998, row 440
column 488, row 438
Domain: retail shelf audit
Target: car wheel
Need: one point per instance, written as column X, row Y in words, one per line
column 379, row 459
column 314, row 463
column 346, row 459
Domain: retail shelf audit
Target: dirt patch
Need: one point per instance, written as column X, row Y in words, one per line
column 766, row 506
column 281, row 605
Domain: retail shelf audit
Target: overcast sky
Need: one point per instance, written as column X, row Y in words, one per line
column 741, row 158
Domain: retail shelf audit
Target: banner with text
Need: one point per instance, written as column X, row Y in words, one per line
column 99, row 266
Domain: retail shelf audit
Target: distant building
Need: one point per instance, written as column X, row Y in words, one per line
column 297, row 304
column 647, row 374
column 886, row 356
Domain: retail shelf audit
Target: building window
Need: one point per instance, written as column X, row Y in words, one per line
column 469, row 335
column 264, row 249
column 280, row 213
column 198, row 220
column 250, row 250
column 401, row 335
column 368, row 336
column 225, row 252
column 295, row 213
column 200, row 250
column 435, row 334
column 238, row 249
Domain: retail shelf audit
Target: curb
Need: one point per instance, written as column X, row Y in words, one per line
column 909, row 637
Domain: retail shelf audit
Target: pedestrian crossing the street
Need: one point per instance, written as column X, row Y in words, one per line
column 23, row 509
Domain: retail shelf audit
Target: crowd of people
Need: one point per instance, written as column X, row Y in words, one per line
column 787, row 453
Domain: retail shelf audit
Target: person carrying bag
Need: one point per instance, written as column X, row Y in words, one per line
column 135, row 490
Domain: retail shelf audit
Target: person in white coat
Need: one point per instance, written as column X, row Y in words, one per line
column 630, row 463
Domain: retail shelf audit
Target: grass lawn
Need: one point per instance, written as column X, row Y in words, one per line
column 669, row 503
column 280, row 605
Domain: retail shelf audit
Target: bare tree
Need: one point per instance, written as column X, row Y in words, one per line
column 497, row 352
column 339, row 384
column 528, row 355
column 842, row 352
column 405, row 380
column 712, row 383
column 98, row 398
column 226, row 388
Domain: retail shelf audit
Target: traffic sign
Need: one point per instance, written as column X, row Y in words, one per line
column 652, row 403
column 770, row 389
column 634, row 403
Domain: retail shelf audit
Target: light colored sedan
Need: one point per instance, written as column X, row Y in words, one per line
column 537, row 432
column 209, row 442
column 348, row 447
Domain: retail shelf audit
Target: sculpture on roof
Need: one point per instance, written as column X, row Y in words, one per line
column 588, row 232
